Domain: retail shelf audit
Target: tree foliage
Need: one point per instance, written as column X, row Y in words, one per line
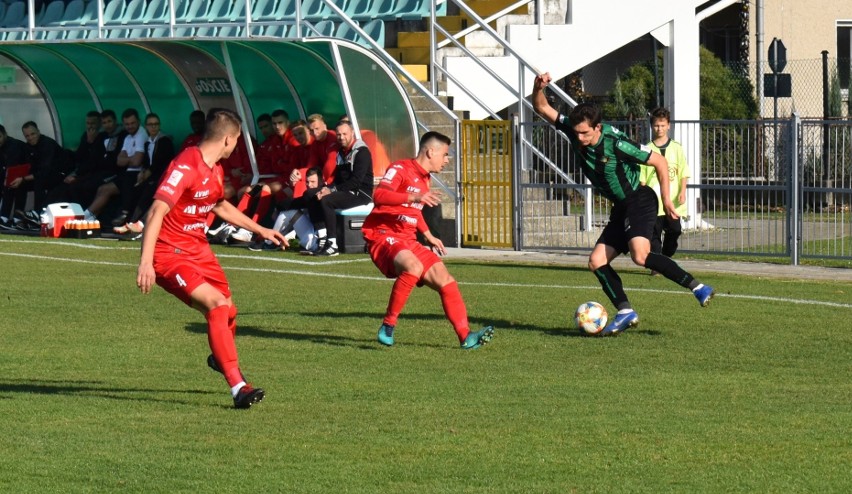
column 725, row 93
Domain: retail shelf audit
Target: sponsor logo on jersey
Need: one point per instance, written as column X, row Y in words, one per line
column 184, row 167
column 201, row 194
column 175, row 177
column 168, row 190
column 390, row 174
column 204, row 182
column 412, row 188
column 190, row 209
column 195, row 226
column 407, row 219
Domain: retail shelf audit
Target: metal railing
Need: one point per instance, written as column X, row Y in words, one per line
column 771, row 188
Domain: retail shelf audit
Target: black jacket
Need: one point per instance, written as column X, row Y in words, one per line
column 354, row 172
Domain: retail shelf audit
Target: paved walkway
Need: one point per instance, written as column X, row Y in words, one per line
column 755, row 269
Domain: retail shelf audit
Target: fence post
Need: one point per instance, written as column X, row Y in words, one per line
column 794, row 210
column 517, row 202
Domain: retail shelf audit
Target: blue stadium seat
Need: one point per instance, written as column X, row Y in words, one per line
column 358, row 9
column 321, row 29
column 53, row 13
column 230, row 31
column 345, row 31
column 264, row 11
column 52, row 18
column 383, row 9
column 73, row 12
column 134, row 12
column 197, row 10
column 276, row 31
column 286, row 9
column 90, row 14
column 113, row 12
column 16, row 15
column 220, row 11
column 157, row 12
column 238, row 12
column 159, row 32
column 315, row 10
column 375, row 29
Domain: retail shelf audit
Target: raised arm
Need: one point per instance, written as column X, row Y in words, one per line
column 539, row 100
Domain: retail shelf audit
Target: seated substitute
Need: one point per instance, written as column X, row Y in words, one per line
column 353, row 186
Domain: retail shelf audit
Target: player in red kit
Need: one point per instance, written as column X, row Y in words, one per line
column 175, row 252
column 390, row 232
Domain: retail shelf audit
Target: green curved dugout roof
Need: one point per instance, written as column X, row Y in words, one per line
column 56, row 84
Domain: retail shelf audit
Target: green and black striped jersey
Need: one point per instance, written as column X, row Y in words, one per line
column 611, row 165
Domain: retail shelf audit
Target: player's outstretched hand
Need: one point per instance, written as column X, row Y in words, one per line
column 145, row 277
column 430, row 198
column 274, row 236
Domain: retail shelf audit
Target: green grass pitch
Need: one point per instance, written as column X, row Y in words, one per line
column 103, row 389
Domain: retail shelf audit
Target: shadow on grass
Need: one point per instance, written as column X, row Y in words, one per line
column 327, row 337
column 98, row 389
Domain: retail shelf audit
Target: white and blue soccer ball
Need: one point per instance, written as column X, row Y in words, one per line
column 590, row 318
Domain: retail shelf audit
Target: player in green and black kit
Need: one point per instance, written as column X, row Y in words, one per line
column 611, row 162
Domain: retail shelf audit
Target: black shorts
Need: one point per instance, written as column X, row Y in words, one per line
column 633, row 217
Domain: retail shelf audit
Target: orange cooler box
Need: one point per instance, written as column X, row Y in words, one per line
column 55, row 216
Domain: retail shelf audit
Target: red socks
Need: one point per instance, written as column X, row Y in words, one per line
column 221, row 341
column 399, row 296
column 455, row 310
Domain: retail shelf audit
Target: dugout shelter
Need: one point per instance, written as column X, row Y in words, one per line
column 56, row 84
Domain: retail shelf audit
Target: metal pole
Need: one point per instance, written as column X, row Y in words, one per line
column 758, row 77
column 794, row 213
column 238, row 101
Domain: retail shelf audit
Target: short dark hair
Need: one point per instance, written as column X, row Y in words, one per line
column 3, row 130
column 661, row 113
column 281, row 113
column 108, row 114
column 28, row 124
column 93, row 114
column 219, row 122
column 585, row 112
column 431, row 136
column 130, row 112
column 315, row 170
column 264, row 117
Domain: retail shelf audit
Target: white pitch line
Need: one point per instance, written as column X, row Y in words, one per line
column 470, row 283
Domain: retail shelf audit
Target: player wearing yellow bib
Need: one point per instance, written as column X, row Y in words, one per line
column 667, row 230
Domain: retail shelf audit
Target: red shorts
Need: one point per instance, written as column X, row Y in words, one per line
column 384, row 247
column 180, row 274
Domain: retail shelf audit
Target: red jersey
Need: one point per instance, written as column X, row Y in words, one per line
column 325, row 155
column 264, row 154
column 191, row 140
column 191, row 189
column 404, row 219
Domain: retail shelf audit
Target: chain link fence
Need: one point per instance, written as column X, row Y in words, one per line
column 637, row 89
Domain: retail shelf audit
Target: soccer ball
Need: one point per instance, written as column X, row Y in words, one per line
column 590, row 318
